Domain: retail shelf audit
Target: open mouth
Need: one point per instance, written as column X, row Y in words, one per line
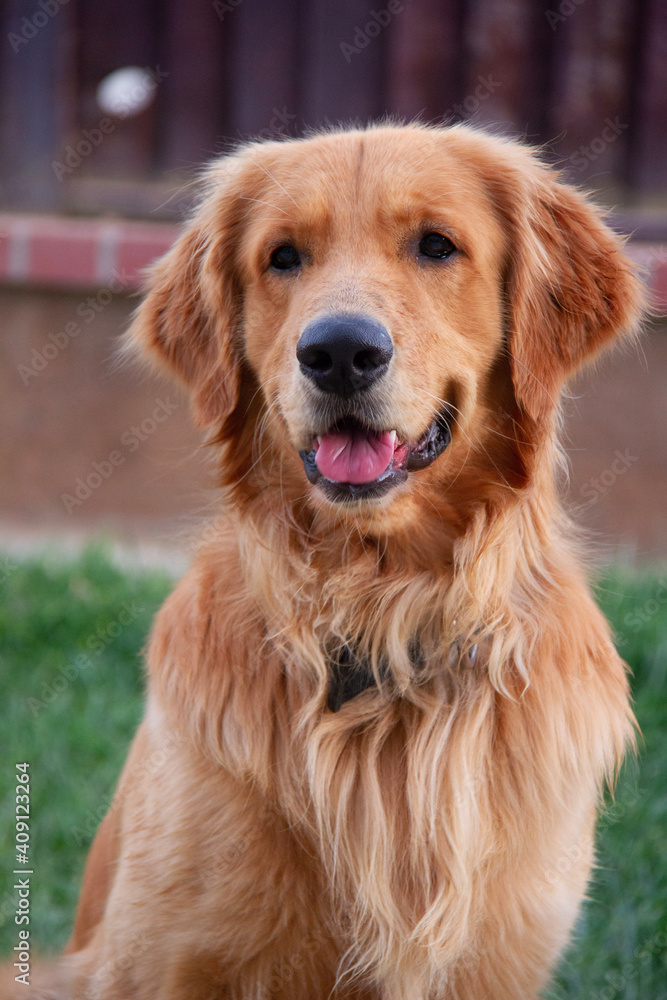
column 352, row 462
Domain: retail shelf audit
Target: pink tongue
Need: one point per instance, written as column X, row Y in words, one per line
column 351, row 456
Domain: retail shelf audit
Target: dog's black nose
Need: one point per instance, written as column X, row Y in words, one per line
column 344, row 353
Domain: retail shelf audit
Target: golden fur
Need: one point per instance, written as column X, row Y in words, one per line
column 434, row 838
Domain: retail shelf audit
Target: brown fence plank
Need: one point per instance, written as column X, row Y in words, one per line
column 265, row 68
column 340, row 84
column 35, row 103
column 591, row 96
column 507, row 67
column 649, row 155
column 423, row 73
column 194, row 101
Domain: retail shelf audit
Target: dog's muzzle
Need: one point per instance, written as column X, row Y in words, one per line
column 344, row 356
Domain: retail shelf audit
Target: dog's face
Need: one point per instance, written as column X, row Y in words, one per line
column 360, row 323
column 382, row 311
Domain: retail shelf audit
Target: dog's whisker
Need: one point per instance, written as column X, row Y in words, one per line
column 267, row 203
column 276, row 182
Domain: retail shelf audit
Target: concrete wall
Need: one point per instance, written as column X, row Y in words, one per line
column 66, row 411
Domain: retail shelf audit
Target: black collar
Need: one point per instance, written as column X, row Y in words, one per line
column 350, row 674
column 348, row 677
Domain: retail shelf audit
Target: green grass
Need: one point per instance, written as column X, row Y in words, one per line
column 72, row 721
column 620, row 946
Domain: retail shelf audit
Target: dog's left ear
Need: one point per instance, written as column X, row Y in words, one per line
column 570, row 288
column 188, row 322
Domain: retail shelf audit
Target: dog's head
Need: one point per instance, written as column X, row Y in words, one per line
column 374, row 315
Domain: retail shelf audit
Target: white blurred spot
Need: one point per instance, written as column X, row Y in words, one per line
column 126, row 92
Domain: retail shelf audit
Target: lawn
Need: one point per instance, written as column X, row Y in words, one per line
column 70, row 652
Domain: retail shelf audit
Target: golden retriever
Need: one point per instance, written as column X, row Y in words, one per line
column 382, row 705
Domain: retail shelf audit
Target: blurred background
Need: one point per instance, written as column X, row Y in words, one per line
column 108, row 107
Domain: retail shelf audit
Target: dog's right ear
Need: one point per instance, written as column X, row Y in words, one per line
column 188, row 320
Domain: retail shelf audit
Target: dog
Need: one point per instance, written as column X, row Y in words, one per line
column 382, row 706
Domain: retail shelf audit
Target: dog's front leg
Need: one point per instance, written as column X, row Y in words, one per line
column 198, row 888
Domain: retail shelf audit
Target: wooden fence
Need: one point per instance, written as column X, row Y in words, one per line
column 587, row 77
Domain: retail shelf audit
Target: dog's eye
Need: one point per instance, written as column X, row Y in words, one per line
column 436, row 245
column 285, row 257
